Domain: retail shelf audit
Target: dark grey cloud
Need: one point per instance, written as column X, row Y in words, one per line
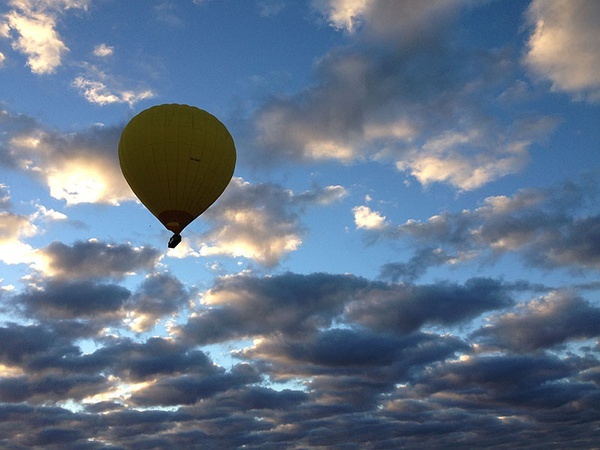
column 554, row 227
column 416, row 266
column 94, row 259
column 58, row 300
column 188, row 389
column 49, row 388
column 521, row 381
column 404, row 309
column 147, row 360
column 354, row 367
column 374, row 371
column 159, row 296
column 242, row 306
column 552, row 320
column 22, row 343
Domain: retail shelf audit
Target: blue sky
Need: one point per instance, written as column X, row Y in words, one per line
column 407, row 255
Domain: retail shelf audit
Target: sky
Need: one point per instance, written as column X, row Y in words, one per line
column 407, row 255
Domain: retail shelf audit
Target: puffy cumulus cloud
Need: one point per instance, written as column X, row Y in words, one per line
column 397, row 388
column 14, row 228
column 444, row 159
column 95, row 259
column 554, row 319
column 563, row 46
column 64, row 300
column 425, row 107
column 546, row 227
column 189, row 389
column 351, row 366
column 365, row 217
column 88, row 308
column 260, row 221
column 31, row 26
column 80, row 167
column 142, row 361
column 241, row 306
column 404, row 309
column 159, row 296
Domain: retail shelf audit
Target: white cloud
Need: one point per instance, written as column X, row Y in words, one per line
column 14, row 229
column 368, row 219
column 343, row 14
column 78, row 167
column 563, row 46
column 103, row 50
column 463, row 160
column 259, row 222
column 31, row 25
column 99, row 88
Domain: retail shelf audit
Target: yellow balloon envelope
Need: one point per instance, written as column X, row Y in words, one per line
column 178, row 160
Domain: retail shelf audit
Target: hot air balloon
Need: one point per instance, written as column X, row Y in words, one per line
column 178, row 160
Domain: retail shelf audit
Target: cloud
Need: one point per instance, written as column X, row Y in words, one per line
column 435, row 126
column 5, row 202
column 159, row 296
column 166, row 12
column 103, row 50
column 563, row 46
column 241, row 307
column 80, row 167
column 365, row 218
column 102, row 89
column 260, row 221
column 551, row 320
column 57, row 300
column 404, row 309
column 136, row 362
column 270, row 8
column 417, row 265
column 95, row 259
column 342, row 14
column 34, row 23
column 389, row 19
column 547, row 228
column 398, row 388
column 443, row 159
column 14, row 228
column 189, row 389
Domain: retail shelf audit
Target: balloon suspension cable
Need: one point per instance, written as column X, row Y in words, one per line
column 175, row 239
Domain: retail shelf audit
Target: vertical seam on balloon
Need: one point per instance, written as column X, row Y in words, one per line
column 201, row 193
column 201, row 164
column 176, row 150
column 184, row 206
column 153, row 146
